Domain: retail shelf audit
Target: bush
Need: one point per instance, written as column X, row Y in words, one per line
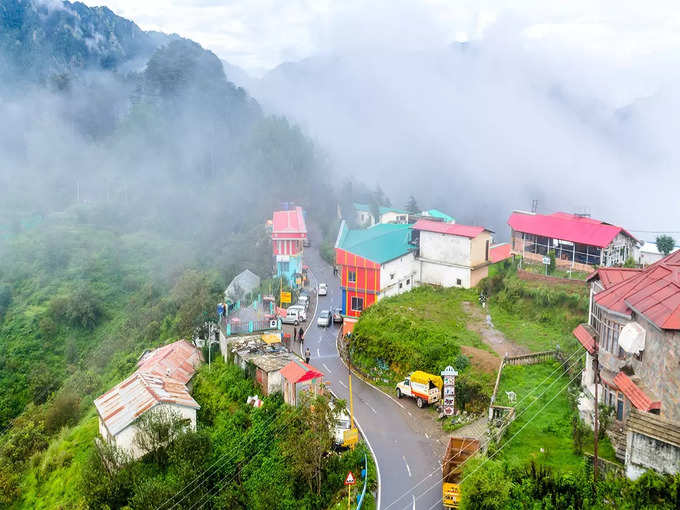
column 64, row 411
column 80, row 309
column 327, row 252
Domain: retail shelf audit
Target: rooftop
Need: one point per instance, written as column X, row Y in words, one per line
column 178, row 360
column 610, row 276
column 291, row 221
column 380, row 243
column 453, row 229
column 653, row 292
column 436, row 213
column 124, row 403
column 566, row 227
column 298, row 371
column 635, row 394
column 499, row 252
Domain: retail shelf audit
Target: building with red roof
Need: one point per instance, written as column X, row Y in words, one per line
column 298, row 372
column 634, row 329
column 160, row 382
column 289, row 232
column 579, row 242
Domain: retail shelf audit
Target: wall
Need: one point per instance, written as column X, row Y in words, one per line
column 125, row 438
column 347, row 295
column 478, row 253
column 396, row 272
column 445, row 248
column 440, row 274
column 644, row 452
column 393, row 217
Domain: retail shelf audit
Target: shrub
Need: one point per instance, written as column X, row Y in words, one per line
column 63, row 411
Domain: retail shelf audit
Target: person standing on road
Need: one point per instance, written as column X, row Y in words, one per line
column 308, row 355
column 295, row 337
column 300, row 334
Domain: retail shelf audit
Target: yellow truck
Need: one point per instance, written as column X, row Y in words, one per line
column 458, row 451
column 423, row 387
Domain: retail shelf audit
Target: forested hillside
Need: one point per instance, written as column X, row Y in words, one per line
column 129, row 196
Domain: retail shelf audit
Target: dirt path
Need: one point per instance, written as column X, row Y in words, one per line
column 476, row 429
column 481, row 323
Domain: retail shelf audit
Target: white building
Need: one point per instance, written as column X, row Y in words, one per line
column 159, row 383
column 648, row 253
column 450, row 254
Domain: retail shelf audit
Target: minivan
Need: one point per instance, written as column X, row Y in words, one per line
column 292, row 317
column 302, row 312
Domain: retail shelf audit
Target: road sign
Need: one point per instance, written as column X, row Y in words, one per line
column 285, row 297
column 546, row 260
column 350, row 480
column 350, row 437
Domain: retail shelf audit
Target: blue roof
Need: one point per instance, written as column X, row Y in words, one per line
column 436, row 213
column 380, row 243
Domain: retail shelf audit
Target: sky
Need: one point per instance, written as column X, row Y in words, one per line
column 258, row 35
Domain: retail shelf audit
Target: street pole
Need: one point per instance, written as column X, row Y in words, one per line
column 351, row 403
column 349, row 494
column 596, row 424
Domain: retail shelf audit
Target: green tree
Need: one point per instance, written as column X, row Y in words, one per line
column 665, row 244
column 412, row 206
column 156, row 430
column 486, row 487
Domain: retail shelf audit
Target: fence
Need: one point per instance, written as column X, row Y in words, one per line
column 243, row 327
column 535, row 277
column 604, row 466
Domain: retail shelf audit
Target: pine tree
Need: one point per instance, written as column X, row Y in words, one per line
column 412, row 206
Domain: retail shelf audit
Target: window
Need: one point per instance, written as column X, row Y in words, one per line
column 459, row 282
column 391, row 276
column 408, row 282
column 619, row 408
column 400, row 285
column 357, row 304
column 285, row 266
column 352, row 276
column 486, row 256
column 638, row 356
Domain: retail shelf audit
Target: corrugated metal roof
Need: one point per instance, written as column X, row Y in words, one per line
column 585, row 334
column 125, row 402
column 633, row 393
column 499, row 252
column 567, row 227
column 178, row 360
column 653, row 292
column 289, row 222
column 610, row 276
column 298, row 371
column 380, row 243
column 454, row 229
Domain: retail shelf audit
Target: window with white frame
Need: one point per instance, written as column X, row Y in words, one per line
column 352, row 276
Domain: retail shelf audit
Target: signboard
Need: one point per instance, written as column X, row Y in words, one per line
column 350, row 437
column 546, row 260
column 285, row 297
column 350, row 480
column 449, row 391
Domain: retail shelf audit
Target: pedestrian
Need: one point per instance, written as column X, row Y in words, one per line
column 294, row 333
column 308, row 355
column 300, row 333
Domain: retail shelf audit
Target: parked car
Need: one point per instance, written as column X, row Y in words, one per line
column 323, row 289
column 425, row 388
column 324, row 319
column 341, row 426
column 337, row 317
column 306, row 242
column 292, row 317
column 302, row 311
column 304, row 301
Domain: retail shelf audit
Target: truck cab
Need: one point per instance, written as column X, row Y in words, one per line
column 458, row 451
column 423, row 387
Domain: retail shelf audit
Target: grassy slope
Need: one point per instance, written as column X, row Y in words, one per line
column 536, row 386
column 419, row 330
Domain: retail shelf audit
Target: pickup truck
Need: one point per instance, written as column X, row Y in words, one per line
column 425, row 388
column 458, row 451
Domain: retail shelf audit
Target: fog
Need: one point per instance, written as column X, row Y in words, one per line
column 484, row 127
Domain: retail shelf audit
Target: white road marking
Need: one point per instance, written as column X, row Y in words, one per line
column 343, row 385
column 327, row 369
column 407, row 468
column 374, row 411
column 318, row 353
column 414, row 501
column 409, row 413
column 427, row 435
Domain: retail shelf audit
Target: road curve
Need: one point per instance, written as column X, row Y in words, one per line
column 408, row 460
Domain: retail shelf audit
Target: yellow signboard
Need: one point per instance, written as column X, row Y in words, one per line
column 350, row 437
column 285, row 297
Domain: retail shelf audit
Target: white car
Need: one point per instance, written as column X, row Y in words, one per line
column 292, row 317
column 323, row 289
column 302, row 311
column 324, row 319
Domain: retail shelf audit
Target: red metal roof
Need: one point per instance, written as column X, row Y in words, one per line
column 125, row 402
column 567, row 227
column 610, row 276
column 499, row 252
column 178, row 360
column 289, row 223
column 653, row 292
column 585, row 337
column 298, row 371
column 453, row 229
column 633, row 393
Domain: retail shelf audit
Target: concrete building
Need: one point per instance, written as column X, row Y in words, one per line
column 647, row 253
column 374, row 262
column 159, row 383
column 451, row 255
column 579, row 242
column 634, row 323
column 288, row 234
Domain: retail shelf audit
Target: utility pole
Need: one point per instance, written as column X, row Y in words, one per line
column 351, row 402
column 596, row 424
column 534, row 206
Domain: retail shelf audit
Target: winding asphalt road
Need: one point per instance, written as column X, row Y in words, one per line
column 408, row 459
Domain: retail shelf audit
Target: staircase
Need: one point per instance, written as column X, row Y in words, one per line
column 617, row 436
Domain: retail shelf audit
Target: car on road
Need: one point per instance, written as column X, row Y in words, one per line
column 302, row 311
column 423, row 387
column 292, row 317
column 303, row 300
column 306, row 242
column 323, row 289
column 337, row 317
column 324, row 319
